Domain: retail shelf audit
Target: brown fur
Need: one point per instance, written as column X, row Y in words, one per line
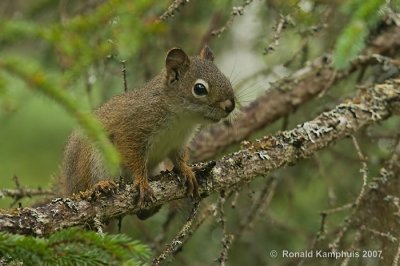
column 139, row 123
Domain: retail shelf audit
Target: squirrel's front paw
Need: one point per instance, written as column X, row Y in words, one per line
column 189, row 179
column 146, row 194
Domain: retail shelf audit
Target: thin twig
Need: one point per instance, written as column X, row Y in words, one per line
column 353, row 246
column 176, row 243
column 235, row 198
column 260, row 205
column 338, row 209
column 226, row 241
column 236, row 11
column 18, row 194
column 21, row 192
column 227, row 238
column 306, row 36
column 396, row 257
column 166, row 224
column 363, row 170
column 99, row 225
column 323, row 174
column 303, row 50
column 322, row 228
column 208, row 211
column 280, row 25
column 123, row 64
column 320, row 234
column 205, row 40
column 384, row 235
column 17, row 183
column 356, row 204
column 172, row 9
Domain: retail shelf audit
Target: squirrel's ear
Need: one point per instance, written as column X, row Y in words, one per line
column 206, row 53
column 177, row 62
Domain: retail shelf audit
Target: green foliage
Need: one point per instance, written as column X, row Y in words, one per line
column 38, row 80
column 6, row 104
column 113, row 29
column 75, row 47
column 396, row 5
column 364, row 15
column 12, row 31
column 73, row 247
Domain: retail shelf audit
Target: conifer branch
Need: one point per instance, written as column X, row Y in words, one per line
column 256, row 158
column 39, row 81
column 285, row 96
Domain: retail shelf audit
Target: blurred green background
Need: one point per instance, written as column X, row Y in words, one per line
column 79, row 45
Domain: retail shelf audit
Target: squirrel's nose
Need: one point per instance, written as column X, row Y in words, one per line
column 228, row 105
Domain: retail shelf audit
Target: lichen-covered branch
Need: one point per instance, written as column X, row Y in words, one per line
column 172, row 8
column 373, row 215
column 280, row 25
column 380, row 199
column 21, row 192
column 257, row 158
column 284, row 97
column 177, row 242
column 236, row 11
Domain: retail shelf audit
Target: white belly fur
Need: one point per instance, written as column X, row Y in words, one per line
column 173, row 137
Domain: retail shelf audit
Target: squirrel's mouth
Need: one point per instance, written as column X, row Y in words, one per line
column 214, row 119
column 214, row 114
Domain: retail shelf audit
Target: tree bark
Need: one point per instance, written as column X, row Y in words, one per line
column 284, row 97
column 257, row 158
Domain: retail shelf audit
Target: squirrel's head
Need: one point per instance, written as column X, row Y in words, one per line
column 199, row 86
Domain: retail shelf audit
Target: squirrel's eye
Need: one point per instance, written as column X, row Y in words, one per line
column 200, row 88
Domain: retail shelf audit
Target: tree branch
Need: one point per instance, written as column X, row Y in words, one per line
column 177, row 242
column 257, row 158
column 284, row 97
column 172, row 9
column 380, row 199
column 236, row 11
column 21, row 193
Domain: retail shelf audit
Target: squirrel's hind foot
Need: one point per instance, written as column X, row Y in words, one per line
column 146, row 194
column 188, row 179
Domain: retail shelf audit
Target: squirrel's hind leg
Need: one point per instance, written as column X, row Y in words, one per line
column 138, row 168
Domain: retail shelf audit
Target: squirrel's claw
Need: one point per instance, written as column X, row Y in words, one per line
column 146, row 194
column 188, row 178
column 192, row 187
